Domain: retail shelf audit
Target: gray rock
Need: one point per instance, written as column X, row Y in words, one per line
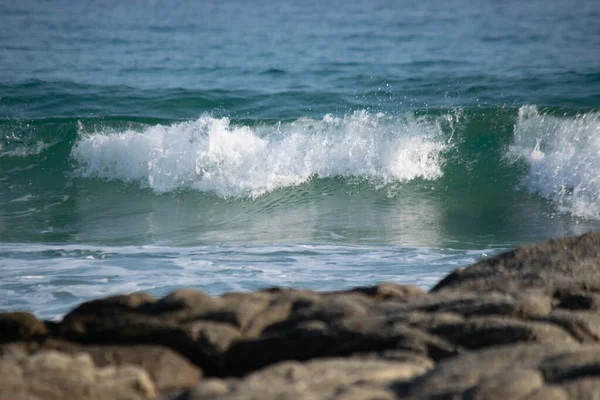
column 316, row 339
column 583, row 325
column 169, row 370
column 566, row 265
column 479, row 332
column 335, row 378
column 582, row 389
column 512, row 384
column 388, row 290
column 53, row 375
column 462, row 375
column 583, row 362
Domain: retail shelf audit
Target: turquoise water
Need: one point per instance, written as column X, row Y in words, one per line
column 310, row 144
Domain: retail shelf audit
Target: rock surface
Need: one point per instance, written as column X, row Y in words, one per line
column 521, row 325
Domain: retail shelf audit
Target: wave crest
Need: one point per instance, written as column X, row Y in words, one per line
column 563, row 154
column 214, row 155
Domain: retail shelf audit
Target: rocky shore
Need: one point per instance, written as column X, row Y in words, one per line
column 521, row 325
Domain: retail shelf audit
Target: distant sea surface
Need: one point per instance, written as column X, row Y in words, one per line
column 235, row 145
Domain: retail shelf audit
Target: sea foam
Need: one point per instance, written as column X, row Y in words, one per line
column 215, row 155
column 563, row 154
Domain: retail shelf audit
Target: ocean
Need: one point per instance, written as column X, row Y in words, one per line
column 234, row 145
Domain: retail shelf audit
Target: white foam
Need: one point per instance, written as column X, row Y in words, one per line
column 563, row 154
column 24, row 151
column 214, row 155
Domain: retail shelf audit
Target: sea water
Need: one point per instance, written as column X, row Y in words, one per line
column 233, row 146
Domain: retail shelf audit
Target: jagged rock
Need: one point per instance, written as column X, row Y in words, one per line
column 560, row 266
column 20, row 326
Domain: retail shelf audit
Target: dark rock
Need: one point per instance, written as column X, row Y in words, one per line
column 127, row 328
column 327, row 310
column 565, row 265
column 184, row 305
column 479, row 332
column 277, row 312
column 238, row 309
column 135, row 302
column 579, row 301
column 317, row 339
column 20, row 326
column 520, row 305
column 386, row 291
column 547, row 393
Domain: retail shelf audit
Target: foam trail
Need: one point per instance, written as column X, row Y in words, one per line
column 563, row 154
column 214, row 155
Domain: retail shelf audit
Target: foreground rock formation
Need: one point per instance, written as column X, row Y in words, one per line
column 522, row 325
